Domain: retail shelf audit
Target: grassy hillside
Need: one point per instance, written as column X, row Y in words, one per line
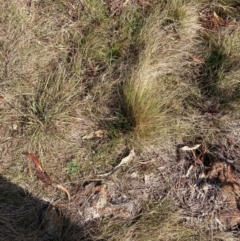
column 82, row 83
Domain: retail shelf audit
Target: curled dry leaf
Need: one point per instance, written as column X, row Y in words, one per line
column 89, row 136
column 197, row 59
column 43, row 176
column 189, row 170
column 124, row 161
column 59, row 186
column 214, row 24
column 101, row 133
column 187, row 148
column 95, row 134
column 127, row 159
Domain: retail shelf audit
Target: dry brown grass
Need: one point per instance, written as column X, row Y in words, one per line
column 147, row 72
column 156, row 92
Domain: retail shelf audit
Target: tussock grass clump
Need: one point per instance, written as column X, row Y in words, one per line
column 149, row 106
column 155, row 93
column 50, row 107
column 175, row 11
column 222, row 67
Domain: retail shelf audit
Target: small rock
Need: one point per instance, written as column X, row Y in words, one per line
column 52, row 222
column 134, row 175
column 147, row 179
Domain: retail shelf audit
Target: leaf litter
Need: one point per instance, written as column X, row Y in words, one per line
column 204, row 182
column 95, row 134
column 210, row 189
column 43, row 176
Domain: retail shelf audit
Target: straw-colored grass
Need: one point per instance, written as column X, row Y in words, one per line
column 147, row 72
column 156, row 92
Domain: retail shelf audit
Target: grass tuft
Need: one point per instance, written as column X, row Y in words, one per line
column 221, row 70
column 149, row 106
column 155, row 93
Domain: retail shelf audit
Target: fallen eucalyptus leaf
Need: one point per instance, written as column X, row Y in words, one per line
column 34, row 159
column 187, row 148
column 59, row 186
column 197, row 59
column 101, row 133
column 189, row 170
column 89, row 136
column 124, row 161
column 95, row 134
column 127, row 159
column 41, row 174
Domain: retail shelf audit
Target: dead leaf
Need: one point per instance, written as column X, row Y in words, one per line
column 64, row 189
column 127, row 159
column 215, row 24
column 197, row 59
column 34, row 159
column 124, row 161
column 187, row 148
column 148, row 179
column 101, row 133
column 89, row 136
column 219, row 19
column 95, row 134
column 1, row 97
column 189, row 170
column 41, row 174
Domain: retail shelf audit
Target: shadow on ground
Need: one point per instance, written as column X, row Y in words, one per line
column 24, row 217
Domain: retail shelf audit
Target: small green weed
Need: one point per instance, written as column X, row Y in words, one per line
column 73, row 167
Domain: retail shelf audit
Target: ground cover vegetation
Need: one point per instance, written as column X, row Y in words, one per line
column 110, row 96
